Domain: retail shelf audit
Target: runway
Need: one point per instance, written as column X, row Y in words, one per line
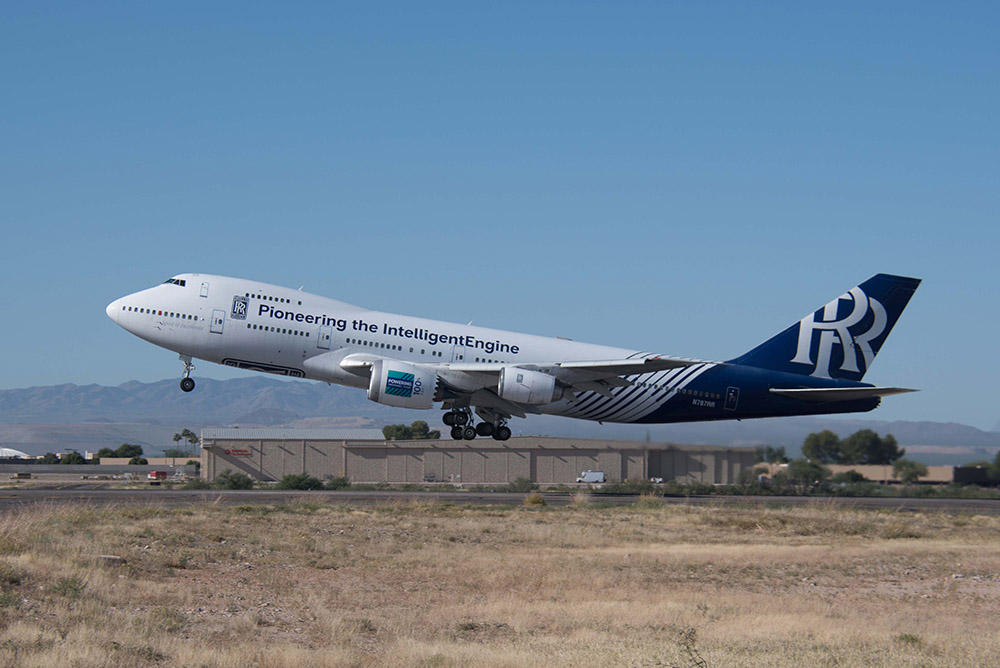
column 13, row 498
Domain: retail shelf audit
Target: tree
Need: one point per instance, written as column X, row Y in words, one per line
column 805, row 475
column 175, row 452
column 907, row 470
column 866, row 447
column 416, row 431
column 994, row 468
column 73, row 457
column 138, row 461
column 104, row 452
column 822, row 447
column 49, row 458
column 128, row 450
column 186, row 435
column 397, row 432
column 769, row 454
column 420, row 431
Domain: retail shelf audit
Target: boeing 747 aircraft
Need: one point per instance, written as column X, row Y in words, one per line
column 813, row 367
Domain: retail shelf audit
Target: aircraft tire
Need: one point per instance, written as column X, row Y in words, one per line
column 187, row 384
column 469, row 433
column 457, row 433
column 502, row 433
column 484, row 429
column 460, row 418
column 448, row 419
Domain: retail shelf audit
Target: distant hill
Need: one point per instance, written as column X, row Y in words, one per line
column 88, row 417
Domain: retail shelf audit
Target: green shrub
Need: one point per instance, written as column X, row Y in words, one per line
column 232, row 480
column 299, row 481
column 848, row 477
column 340, row 482
column 70, row 587
column 629, row 487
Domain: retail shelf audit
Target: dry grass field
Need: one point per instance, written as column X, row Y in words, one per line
column 436, row 585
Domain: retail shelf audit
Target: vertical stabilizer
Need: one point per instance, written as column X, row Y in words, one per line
column 839, row 340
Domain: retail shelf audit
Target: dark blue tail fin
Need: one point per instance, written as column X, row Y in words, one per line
column 841, row 339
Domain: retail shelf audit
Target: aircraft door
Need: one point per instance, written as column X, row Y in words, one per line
column 458, row 353
column 218, row 320
column 325, row 336
column 732, row 398
column 204, row 289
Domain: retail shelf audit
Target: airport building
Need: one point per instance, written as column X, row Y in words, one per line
column 364, row 456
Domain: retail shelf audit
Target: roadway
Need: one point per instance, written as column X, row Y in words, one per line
column 12, row 498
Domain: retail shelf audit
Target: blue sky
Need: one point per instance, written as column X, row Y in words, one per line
column 685, row 178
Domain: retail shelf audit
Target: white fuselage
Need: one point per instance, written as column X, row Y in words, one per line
column 257, row 326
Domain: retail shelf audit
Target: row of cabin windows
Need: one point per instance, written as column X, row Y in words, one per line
column 488, row 361
column 153, row 311
column 267, row 298
column 702, row 395
column 376, row 344
column 277, row 330
column 390, row 346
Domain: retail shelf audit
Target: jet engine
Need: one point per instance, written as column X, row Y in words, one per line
column 523, row 386
column 401, row 384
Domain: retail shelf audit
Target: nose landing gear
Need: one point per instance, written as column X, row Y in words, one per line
column 187, row 382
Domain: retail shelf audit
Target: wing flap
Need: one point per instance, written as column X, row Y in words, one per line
column 839, row 393
column 630, row 367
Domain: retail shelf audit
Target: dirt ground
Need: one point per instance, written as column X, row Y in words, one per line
column 424, row 584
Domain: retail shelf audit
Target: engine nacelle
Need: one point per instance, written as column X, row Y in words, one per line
column 401, row 384
column 523, row 386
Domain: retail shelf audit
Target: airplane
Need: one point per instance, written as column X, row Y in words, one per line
column 813, row 367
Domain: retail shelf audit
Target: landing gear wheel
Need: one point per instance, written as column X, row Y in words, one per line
column 484, row 429
column 460, row 418
column 469, row 433
column 457, row 433
column 187, row 383
column 448, row 419
column 502, row 433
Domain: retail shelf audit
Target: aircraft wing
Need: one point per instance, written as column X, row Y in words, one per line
column 476, row 382
column 839, row 393
column 626, row 367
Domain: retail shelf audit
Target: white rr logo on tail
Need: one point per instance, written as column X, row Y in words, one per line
column 837, row 332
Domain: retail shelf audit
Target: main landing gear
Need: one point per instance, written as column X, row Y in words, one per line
column 460, row 421
column 187, row 382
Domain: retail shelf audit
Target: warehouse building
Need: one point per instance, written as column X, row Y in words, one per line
column 363, row 455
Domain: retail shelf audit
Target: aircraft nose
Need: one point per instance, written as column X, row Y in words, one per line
column 113, row 309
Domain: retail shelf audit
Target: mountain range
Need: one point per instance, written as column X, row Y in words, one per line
column 88, row 417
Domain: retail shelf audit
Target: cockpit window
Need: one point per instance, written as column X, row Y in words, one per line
column 176, row 281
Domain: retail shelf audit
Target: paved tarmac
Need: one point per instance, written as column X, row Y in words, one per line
column 11, row 498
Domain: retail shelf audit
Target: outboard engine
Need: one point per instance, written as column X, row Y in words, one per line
column 524, row 386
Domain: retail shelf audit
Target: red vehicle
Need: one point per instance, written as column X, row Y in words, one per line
column 155, row 477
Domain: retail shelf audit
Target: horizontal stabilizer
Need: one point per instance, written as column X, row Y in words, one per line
column 840, row 393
